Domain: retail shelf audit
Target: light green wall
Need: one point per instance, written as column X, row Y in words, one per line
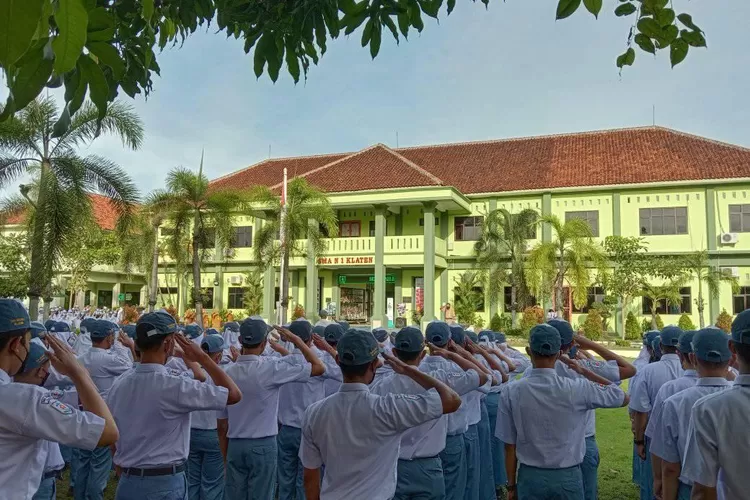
column 734, row 195
column 586, row 202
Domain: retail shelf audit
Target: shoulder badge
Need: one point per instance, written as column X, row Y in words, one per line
column 61, row 407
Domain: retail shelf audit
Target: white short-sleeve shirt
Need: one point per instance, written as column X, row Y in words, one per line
column 651, row 378
column 669, row 389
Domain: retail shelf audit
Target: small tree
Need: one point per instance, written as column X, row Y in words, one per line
column 593, row 326
column 669, row 293
column 501, row 323
column 698, row 266
column 252, row 299
column 468, row 299
column 724, row 321
column 632, row 329
column 659, row 322
column 531, row 316
column 14, row 262
column 685, row 322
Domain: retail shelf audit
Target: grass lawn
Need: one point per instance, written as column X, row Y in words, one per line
column 615, row 449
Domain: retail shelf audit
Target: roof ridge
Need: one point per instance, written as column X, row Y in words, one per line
column 437, row 180
column 330, row 164
column 532, row 137
column 707, row 139
column 230, row 174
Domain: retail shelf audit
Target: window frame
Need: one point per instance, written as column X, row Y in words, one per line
column 586, row 216
column 661, row 308
column 232, row 294
column 592, row 294
column 744, row 295
column 744, row 209
column 350, row 224
column 661, row 220
column 235, row 237
column 460, row 227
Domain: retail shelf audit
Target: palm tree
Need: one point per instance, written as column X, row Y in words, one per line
column 504, row 239
column 468, row 300
column 141, row 249
column 669, row 292
column 570, row 256
column 191, row 206
column 304, row 203
column 64, row 178
column 697, row 265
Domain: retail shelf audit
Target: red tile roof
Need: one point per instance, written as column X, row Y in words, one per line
column 104, row 213
column 600, row 158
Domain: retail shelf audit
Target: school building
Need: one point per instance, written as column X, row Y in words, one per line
column 409, row 217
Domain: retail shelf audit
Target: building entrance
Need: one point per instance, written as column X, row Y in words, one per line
column 357, row 293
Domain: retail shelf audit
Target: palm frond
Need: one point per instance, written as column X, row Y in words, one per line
column 121, row 120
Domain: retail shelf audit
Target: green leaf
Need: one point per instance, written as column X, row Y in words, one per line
column 649, row 27
column 100, row 19
column 645, row 43
column 451, row 5
column 292, row 63
column 104, row 35
column 354, row 22
column 664, row 17
column 430, row 7
column 367, row 32
column 347, row 6
column 98, row 88
column 566, row 8
column 626, row 59
column 72, row 20
column 33, row 73
column 18, row 22
column 693, row 38
column 375, row 40
column 687, row 20
column 404, row 23
column 148, row 10
column 259, row 57
column 593, row 6
column 415, row 15
column 625, row 9
column 109, row 56
column 391, row 25
column 669, row 34
column 678, row 51
column 62, row 124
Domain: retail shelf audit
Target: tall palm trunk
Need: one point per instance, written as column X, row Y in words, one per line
column 47, row 304
column 38, row 277
column 197, row 272
column 284, row 291
column 514, row 306
column 559, row 304
column 154, row 285
column 701, row 304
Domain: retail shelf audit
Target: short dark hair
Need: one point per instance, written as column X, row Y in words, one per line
column 544, row 356
column 743, row 352
column 99, row 340
column 713, row 365
column 668, row 349
column 406, row 356
column 566, row 347
column 151, row 343
column 6, row 337
column 354, row 370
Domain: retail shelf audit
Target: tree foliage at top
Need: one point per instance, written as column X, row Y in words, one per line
column 101, row 47
column 15, row 265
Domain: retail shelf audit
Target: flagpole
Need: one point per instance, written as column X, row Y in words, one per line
column 283, row 280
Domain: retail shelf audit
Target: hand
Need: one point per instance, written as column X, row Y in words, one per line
column 398, row 366
column 125, row 340
column 321, row 344
column 439, row 351
column 288, row 336
column 458, row 349
column 234, row 353
column 512, row 494
column 572, row 364
column 63, row 359
column 191, row 353
column 641, row 450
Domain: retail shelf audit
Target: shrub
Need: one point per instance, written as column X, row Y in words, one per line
column 496, row 323
column 685, row 322
column 416, row 316
column 299, row 312
column 622, row 343
column 478, row 322
column 659, row 322
column 632, row 329
column 724, row 321
column 531, row 316
column 646, row 325
column 514, row 332
column 593, row 327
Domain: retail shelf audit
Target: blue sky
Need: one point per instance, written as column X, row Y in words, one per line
column 479, row 74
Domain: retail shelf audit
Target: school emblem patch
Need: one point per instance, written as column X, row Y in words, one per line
column 61, row 407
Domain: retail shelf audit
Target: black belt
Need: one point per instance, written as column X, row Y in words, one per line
column 52, row 473
column 158, row 471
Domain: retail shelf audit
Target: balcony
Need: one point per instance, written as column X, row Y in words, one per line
column 397, row 250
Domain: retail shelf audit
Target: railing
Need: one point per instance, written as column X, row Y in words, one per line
column 350, row 246
column 402, row 244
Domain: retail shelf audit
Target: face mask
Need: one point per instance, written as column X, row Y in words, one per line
column 24, row 360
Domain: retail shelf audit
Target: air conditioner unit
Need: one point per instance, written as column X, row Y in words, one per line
column 733, row 272
column 235, row 280
column 729, row 238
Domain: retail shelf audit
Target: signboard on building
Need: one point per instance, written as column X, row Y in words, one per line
column 349, row 279
column 346, row 261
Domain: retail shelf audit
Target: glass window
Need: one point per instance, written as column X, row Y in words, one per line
column 685, row 305
column 236, row 298
column 468, row 228
column 349, row 229
column 590, row 216
column 594, row 294
column 739, row 218
column 741, row 300
column 243, row 237
column 659, row 221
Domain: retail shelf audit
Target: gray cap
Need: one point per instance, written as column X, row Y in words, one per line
column 357, row 347
column 685, row 345
column 13, row 317
column 319, row 330
column 545, row 340
column 741, row 328
column 101, row 329
column 302, row 329
column 457, row 334
column 193, row 331
column 649, row 336
column 213, row 344
column 712, row 344
column 438, row 333
column 564, row 329
column 670, row 335
column 344, row 325
column 232, row 326
column 380, row 334
column 333, row 333
column 253, row 332
column 155, row 323
column 87, row 323
column 409, row 339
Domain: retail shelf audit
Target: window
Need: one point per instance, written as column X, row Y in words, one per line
column 236, row 295
column 372, row 228
column 742, row 299
column 531, row 232
column 508, row 300
column 594, row 294
column 479, row 290
column 468, row 228
column 590, row 216
column 739, row 218
column 656, row 221
column 349, row 229
column 421, row 221
column 324, row 230
column 685, row 305
column 208, row 238
column 243, row 237
column 172, row 290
